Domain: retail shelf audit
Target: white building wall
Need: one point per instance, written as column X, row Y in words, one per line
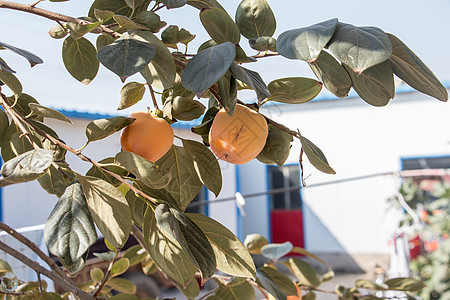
column 359, row 140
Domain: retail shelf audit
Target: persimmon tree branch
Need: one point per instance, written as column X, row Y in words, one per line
column 21, row 238
column 50, row 274
column 53, row 16
column 107, row 274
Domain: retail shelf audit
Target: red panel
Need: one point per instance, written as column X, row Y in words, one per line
column 287, row 225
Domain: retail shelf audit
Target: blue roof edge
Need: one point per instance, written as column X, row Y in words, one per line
column 402, row 89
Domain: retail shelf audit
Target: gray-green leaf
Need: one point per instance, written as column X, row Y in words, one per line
column 109, row 209
column 12, row 83
column 332, row 74
column 48, row 112
column 165, row 251
column 28, row 166
column 126, row 56
column 130, row 94
column 80, row 60
column 146, row 171
column 237, row 289
column 205, row 164
column 255, row 18
column 4, row 123
column 231, row 255
column 253, row 79
column 303, row 271
column 316, row 156
column 306, row 43
column 375, row 85
column 206, row 68
column 360, row 47
column 220, row 26
column 294, row 90
column 276, row 282
column 69, row 230
column 191, row 238
column 102, row 128
column 408, row 67
column 174, row 3
column 32, row 58
column 77, row 31
column 276, row 251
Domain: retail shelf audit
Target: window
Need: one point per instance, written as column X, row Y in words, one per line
column 285, row 177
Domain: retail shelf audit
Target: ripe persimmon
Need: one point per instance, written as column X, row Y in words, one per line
column 239, row 138
column 148, row 136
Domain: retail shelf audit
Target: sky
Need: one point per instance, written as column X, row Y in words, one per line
column 422, row 26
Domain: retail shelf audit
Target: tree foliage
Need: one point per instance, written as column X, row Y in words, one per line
column 127, row 193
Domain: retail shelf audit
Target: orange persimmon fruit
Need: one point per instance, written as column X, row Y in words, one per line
column 148, row 136
column 239, row 138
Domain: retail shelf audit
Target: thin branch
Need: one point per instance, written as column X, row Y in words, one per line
column 21, row 238
column 36, row 3
column 152, row 93
column 54, row 16
column 107, row 274
column 137, row 233
column 51, row 275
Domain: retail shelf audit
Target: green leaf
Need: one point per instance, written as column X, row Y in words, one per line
column 294, row 90
column 191, row 291
column 111, row 165
column 133, row 4
column 228, row 92
column 360, row 47
column 97, row 275
column 220, row 26
column 161, row 71
column 32, row 58
column 120, row 267
column 53, row 182
column 80, row 60
column 5, row 268
column 5, row 68
column 186, row 109
column 165, row 251
column 149, row 173
column 309, row 296
column 303, row 271
column 102, row 128
column 264, row 43
column 200, row 4
column 333, row 75
column 4, row 123
column 151, row 20
column 368, row 284
column 109, row 209
column 277, row 147
column 184, row 184
column 302, row 251
column 19, row 144
column 255, row 18
column 206, row 68
column 137, row 207
column 231, row 255
column 11, row 82
column 135, row 254
column 276, row 251
column 375, row 85
column 205, row 164
column 174, row 3
column 128, row 24
column 104, row 40
column 316, row 156
column 253, row 79
column 23, row 105
column 77, row 31
column 130, row 94
column 190, row 237
column 103, row 15
column 158, row 194
column 126, row 56
column 125, row 297
column 106, row 256
column 306, row 43
column 237, row 289
column 119, row 7
column 278, row 284
column 408, row 67
column 28, row 166
column 48, row 112
column 405, row 284
column 122, row 285
column 69, row 230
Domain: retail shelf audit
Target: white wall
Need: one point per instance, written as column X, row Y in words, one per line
column 358, row 140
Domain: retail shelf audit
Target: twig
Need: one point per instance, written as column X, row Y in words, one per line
column 21, row 238
column 54, row 16
column 137, row 233
column 259, row 288
column 107, row 274
column 152, row 93
column 51, row 275
column 36, row 3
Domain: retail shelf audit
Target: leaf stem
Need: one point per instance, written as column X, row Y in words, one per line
column 51, row 275
column 152, row 93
